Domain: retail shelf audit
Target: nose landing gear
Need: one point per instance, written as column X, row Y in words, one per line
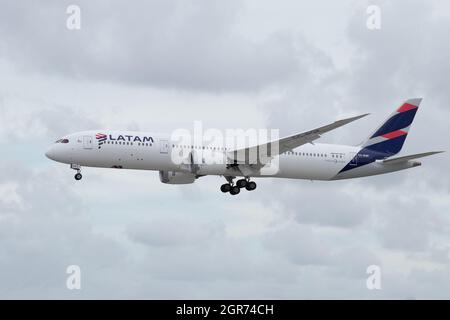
column 235, row 189
column 78, row 175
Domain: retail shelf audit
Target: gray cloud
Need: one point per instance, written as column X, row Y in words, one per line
column 158, row 43
column 409, row 224
column 348, row 210
column 25, row 119
column 44, row 232
column 289, row 239
column 174, row 232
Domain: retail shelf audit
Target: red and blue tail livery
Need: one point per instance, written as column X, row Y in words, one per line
column 388, row 139
column 391, row 135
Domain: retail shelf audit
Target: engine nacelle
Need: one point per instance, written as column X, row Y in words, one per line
column 173, row 177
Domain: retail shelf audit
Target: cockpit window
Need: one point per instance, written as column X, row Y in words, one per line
column 62, row 141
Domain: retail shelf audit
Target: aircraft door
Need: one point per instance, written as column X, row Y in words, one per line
column 163, row 146
column 87, row 142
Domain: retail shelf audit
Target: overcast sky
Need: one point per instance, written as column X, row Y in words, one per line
column 159, row 66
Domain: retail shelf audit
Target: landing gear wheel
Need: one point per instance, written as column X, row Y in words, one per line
column 225, row 187
column 78, row 176
column 235, row 190
column 241, row 183
column 250, row 186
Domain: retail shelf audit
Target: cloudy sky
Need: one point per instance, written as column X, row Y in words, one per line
column 160, row 65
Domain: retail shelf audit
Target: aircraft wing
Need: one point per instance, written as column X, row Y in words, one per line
column 411, row 157
column 274, row 148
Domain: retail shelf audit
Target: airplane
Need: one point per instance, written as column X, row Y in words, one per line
column 295, row 157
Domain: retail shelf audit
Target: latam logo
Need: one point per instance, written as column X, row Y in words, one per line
column 101, row 138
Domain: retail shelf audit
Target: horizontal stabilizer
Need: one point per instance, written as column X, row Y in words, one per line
column 411, row 157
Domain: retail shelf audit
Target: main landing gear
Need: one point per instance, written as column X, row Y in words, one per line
column 78, row 175
column 234, row 189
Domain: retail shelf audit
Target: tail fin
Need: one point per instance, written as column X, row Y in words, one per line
column 390, row 136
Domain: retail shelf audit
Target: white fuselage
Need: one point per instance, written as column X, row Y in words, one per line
column 153, row 151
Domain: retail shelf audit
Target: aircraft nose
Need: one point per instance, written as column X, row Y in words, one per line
column 50, row 153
